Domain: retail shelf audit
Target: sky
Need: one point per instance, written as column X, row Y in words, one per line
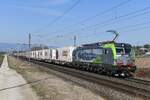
column 18, row 18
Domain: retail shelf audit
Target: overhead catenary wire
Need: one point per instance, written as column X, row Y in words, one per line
column 134, row 25
column 137, row 13
column 91, row 17
column 119, row 17
column 102, row 13
column 59, row 17
column 139, row 28
column 130, row 30
column 98, row 14
column 118, row 20
column 122, row 16
column 133, row 28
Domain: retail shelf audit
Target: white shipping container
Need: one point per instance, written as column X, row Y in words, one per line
column 47, row 54
column 40, row 54
column 37, row 54
column 32, row 54
column 65, row 54
column 54, row 51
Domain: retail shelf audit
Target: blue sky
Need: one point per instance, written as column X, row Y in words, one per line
column 19, row 17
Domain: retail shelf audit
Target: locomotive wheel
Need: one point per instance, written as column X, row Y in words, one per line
column 87, row 68
column 91, row 69
column 109, row 73
column 95, row 70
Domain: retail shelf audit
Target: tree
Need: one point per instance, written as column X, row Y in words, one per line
column 147, row 46
column 39, row 48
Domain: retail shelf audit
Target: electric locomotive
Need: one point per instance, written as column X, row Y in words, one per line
column 107, row 57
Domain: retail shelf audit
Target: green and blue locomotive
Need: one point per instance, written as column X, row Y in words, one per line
column 106, row 57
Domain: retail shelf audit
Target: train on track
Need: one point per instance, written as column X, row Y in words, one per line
column 111, row 58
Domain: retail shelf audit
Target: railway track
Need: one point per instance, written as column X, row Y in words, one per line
column 141, row 81
column 131, row 86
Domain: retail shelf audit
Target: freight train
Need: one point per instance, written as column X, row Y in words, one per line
column 111, row 58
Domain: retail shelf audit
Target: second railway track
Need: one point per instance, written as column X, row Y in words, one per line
column 141, row 81
column 131, row 86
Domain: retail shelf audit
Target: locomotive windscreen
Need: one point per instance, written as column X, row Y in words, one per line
column 122, row 47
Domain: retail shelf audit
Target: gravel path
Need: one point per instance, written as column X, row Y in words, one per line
column 9, row 78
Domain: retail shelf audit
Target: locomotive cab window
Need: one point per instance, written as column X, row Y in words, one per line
column 106, row 51
column 120, row 50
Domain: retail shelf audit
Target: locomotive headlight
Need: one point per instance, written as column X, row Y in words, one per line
column 122, row 74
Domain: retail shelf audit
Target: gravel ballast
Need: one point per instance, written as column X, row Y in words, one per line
column 98, row 90
column 51, row 87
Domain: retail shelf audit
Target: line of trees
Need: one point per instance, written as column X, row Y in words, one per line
column 141, row 50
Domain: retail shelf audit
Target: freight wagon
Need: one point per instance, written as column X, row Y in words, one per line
column 65, row 54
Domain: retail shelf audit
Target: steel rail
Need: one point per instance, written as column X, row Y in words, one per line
column 141, row 81
column 133, row 88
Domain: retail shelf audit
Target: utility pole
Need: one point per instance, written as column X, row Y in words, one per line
column 17, row 51
column 75, row 39
column 29, row 45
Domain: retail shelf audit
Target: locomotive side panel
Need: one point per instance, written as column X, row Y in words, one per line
column 89, row 55
column 53, row 52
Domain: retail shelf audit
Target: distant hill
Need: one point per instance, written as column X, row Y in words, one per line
column 10, row 47
column 15, row 47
